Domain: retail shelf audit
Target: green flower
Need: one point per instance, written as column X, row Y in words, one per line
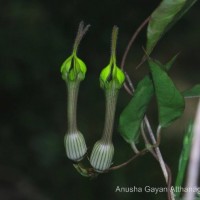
column 73, row 69
column 110, row 75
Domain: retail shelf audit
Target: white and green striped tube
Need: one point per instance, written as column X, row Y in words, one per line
column 111, row 80
column 73, row 71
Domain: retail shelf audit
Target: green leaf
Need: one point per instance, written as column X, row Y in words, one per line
column 167, row 66
column 170, row 101
column 133, row 114
column 183, row 160
column 163, row 18
column 193, row 92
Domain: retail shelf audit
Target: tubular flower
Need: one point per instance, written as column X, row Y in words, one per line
column 111, row 80
column 73, row 72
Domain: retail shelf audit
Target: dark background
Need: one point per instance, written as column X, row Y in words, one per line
column 35, row 38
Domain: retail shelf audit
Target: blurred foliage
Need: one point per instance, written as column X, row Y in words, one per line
column 35, row 38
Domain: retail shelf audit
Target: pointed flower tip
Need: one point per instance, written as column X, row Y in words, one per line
column 75, row 146
column 111, row 74
column 73, row 69
column 102, row 155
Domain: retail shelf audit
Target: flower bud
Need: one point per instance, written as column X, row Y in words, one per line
column 75, row 146
column 102, row 155
column 111, row 74
column 73, row 69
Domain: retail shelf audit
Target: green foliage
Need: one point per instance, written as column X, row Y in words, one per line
column 170, row 101
column 167, row 66
column 163, row 18
column 193, row 92
column 132, row 116
column 187, row 143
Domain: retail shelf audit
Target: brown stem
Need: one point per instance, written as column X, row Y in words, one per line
column 129, row 88
column 132, row 41
column 142, row 152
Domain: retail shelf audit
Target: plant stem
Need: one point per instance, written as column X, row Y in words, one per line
column 159, row 155
column 132, row 41
column 142, row 152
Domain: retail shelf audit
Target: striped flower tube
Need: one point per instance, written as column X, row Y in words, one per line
column 74, row 141
column 73, row 72
column 111, row 80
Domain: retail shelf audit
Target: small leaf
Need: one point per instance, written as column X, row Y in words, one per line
column 132, row 116
column 163, row 18
column 193, row 92
column 168, row 65
column 170, row 101
column 187, row 143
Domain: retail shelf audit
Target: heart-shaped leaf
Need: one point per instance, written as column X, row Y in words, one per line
column 170, row 101
column 133, row 114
